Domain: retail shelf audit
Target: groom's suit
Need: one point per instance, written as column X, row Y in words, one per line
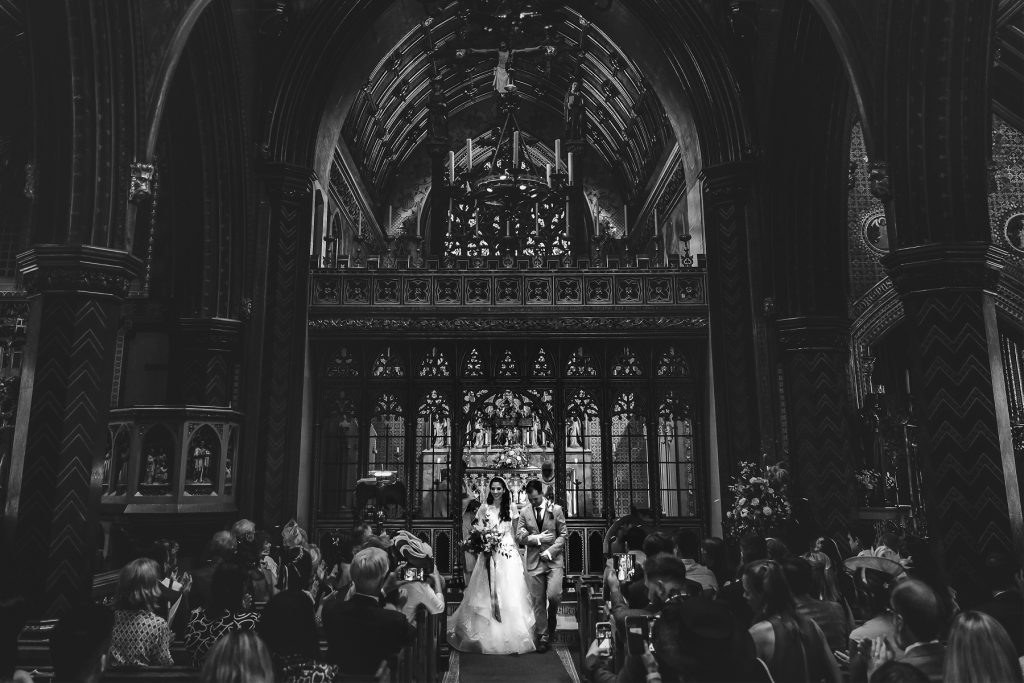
column 543, row 575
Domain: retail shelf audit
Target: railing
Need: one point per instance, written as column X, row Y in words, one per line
column 654, row 288
column 181, row 456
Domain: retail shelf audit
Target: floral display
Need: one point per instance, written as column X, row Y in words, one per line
column 485, row 541
column 511, row 458
column 760, row 500
column 868, row 479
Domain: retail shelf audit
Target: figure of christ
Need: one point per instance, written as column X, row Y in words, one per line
column 502, row 81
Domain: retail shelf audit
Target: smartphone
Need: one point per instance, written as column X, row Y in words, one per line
column 637, row 635
column 603, row 631
column 650, row 632
column 625, row 566
column 412, row 573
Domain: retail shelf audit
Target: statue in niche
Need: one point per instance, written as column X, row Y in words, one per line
column 438, row 432
column 200, row 463
column 574, row 432
column 527, row 426
column 162, row 473
column 106, row 468
column 150, row 473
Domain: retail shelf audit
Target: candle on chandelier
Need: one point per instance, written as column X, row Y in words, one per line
column 536, row 215
column 476, row 219
column 508, row 227
column 469, row 154
column 451, row 166
column 449, row 216
column 558, row 155
column 515, row 150
column 567, row 218
column 656, row 230
column 391, row 217
column 597, row 220
column 571, row 176
column 547, row 173
column 625, row 220
column 360, row 223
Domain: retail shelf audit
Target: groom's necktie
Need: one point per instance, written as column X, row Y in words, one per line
column 536, row 514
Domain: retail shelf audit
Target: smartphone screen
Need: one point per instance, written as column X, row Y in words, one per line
column 624, row 563
column 637, row 632
column 603, row 631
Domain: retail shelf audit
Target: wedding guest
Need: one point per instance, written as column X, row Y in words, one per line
column 428, row 592
column 288, row 628
column 360, row 633
column 1006, row 603
column 898, row 672
column 666, row 581
column 714, row 556
column 175, row 585
column 980, row 651
column 79, row 644
column 221, row 548
column 753, row 548
column 916, row 632
column 872, row 588
column 925, row 566
column 253, row 555
column 777, row 549
column 243, row 529
column 468, row 521
column 861, row 538
column 230, row 610
column 238, row 657
column 829, row 616
column 687, row 549
column 793, row 646
column 888, row 546
column 139, row 636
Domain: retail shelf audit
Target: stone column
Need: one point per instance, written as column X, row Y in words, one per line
column 61, row 428
column 276, row 423
column 725, row 196
column 814, row 353
column 967, row 460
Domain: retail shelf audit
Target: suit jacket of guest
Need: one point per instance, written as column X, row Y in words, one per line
column 929, row 658
column 553, row 520
column 360, row 633
column 1008, row 609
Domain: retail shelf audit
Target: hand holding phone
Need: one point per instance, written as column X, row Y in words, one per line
column 603, row 630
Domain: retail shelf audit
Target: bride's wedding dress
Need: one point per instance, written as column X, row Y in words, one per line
column 474, row 626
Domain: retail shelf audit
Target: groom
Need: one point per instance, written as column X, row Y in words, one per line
column 542, row 530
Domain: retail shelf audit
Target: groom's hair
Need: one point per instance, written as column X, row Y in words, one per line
column 534, row 486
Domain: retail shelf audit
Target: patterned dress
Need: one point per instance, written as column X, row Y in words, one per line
column 140, row 638
column 203, row 632
column 299, row 669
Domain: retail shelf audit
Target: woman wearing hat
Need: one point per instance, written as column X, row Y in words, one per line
column 414, row 554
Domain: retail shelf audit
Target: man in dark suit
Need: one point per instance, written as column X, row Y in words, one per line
column 360, row 633
column 918, row 618
column 1007, row 603
column 541, row 528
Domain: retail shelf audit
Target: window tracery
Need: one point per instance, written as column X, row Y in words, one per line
column 434, row 364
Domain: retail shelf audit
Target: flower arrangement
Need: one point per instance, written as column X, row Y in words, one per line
column 867, row 478
column 760, row 499
column 486, row 541
column 510, row 458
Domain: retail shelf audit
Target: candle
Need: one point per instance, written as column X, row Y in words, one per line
column 558, row 155
column 360, row 223
column 515, row 150
column 570, row 168
column 391, row 220
column 625, row 220
column 508, row 227
column 451, row 166
column 536, row 216
column 469, row 154
column 567, row 218
column 449, row 216
column 476, row 219
column 547, row 173
column 656, row 232
column 597, row 220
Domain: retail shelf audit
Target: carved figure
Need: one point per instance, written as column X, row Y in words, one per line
column 574, row 432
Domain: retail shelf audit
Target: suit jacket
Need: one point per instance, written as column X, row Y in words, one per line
column 1008, row 609
column 553, row 520
column 360, row 633
column 929, row 658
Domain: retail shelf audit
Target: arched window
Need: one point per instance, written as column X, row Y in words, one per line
column 433, row 457
column 339, row 468
column 584, row 482
column 675, row 457
column 631, row 482
column 387, row 435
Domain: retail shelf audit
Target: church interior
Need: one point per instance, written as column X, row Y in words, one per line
column 336, row 264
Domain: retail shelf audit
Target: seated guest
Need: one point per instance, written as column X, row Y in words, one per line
column 872, row 591
column 715, row 557
column 917, row 627
column 238, row 657
column 898, row 672
column 360, row 633
column 888, row 547
column 752, row 549
column 243, row 530
column 1006, row 604
column 175, row 585
column 829, row 616
column 253, row 556
column 288, row 628
column 416, row 554
column 777, row 549
column 79, row 644
column 221, row 548
column 230, row 610
column 861, row 537
column 792, row 646
column 687, row 549
column 979, row 651
column 665, row 578
column 139, row 636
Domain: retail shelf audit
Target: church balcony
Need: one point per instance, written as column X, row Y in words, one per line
column 549, row 286
column 171, row 460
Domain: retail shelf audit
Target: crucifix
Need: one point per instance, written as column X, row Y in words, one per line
column 502, row 81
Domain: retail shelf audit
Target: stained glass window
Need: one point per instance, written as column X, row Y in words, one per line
column 474, row 366
column 542, row 366
column 433, row 450
column 581, row 364
column 675, row 457
column 508, row 366
column 340, row 460
column 342, row 364
column 434, row 364
column 584, row 484
column 631, row 483
column 672, row 364
column 626, row 364
column 388, row 366
column 387, row 435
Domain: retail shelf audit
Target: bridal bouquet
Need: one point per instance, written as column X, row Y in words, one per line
column 760, row 500
column 486, row 541
column 511, row 458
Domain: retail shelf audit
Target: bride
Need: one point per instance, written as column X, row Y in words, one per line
column 495, row 616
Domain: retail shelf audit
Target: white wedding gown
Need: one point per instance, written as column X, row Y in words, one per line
column 474, row 627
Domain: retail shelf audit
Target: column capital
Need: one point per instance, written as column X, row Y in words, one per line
column 287, row 180
column 725, row 182
column 82, row 269
column 964, row 266
column 813, row 333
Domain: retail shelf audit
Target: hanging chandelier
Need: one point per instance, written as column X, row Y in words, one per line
column 513, row 203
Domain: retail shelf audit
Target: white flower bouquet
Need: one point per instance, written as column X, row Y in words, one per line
column 512, row 457
column 760, row 500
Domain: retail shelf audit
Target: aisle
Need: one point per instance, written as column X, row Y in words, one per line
column 556, row 666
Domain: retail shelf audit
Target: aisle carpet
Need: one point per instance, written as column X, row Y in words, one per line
column 556, row 666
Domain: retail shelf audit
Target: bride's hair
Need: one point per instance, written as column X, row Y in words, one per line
column 505, row 513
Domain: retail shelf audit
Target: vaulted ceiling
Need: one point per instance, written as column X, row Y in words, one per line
column 625, row 122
